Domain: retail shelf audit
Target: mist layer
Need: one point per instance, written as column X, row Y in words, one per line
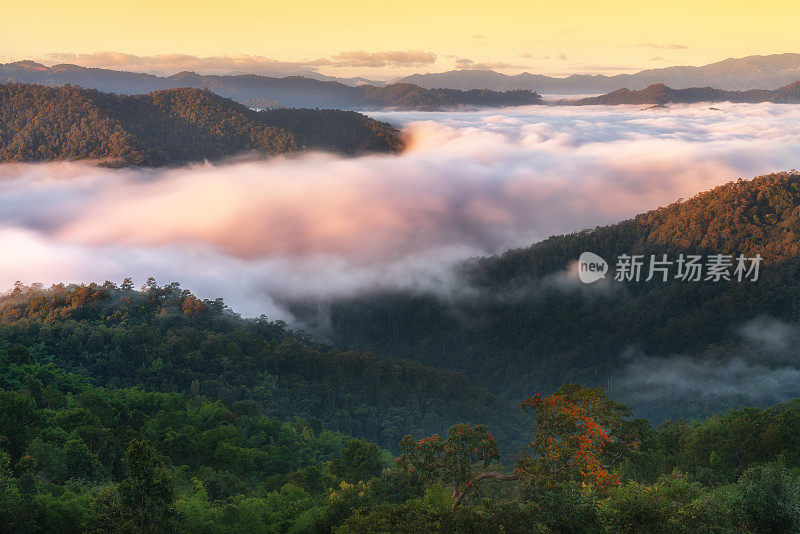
column 321, row 226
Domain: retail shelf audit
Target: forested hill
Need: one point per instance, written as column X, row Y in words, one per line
column 530, row 325
column 164, row 339
column 290, row 91
column 39, row 123
column 659, row 93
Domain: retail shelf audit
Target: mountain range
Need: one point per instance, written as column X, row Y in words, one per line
column 417, row 91
column 291, row 91
column 740, row 74
column 659, row 93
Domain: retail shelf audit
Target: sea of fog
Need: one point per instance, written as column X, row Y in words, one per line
column 320, row 225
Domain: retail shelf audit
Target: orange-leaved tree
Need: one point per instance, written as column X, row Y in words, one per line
column 579, row 435
column 460, row 460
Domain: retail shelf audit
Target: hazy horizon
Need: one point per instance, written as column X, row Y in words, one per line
column 382, row 42
column 168, row 64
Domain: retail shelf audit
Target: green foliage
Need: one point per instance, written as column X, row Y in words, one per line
column 769, row 499
column 666, row 506
column 453, row 458
column 191, row 449
column 17, row 417
column 360, row 461
column 719, row 449
column 125, row 460
column 147, row 494
column 165, row 339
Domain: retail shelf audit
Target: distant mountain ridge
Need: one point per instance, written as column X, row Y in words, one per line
column 291, row 91
column 738, row 74
column 659, row 93
column 39, row 123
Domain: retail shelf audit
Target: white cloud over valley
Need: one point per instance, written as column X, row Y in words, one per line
column 256, row 232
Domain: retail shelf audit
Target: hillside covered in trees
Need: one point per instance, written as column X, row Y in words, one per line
column 39, row 123
column 659, row 93
column 75, row 457
column 528, row 323
column 166, row 340
column 290, row 91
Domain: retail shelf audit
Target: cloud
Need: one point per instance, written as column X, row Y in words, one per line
column 244, row 64
column 468, row 64
column 601, row 68
column 562, row 56
column 764, row 368
column 769, row 335
column 172, row 63
column 657, row 58
column 663, row 46
column 318, row 225
column 397, row 58
column 654, row 378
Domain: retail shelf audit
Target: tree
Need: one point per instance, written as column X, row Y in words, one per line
column 147, row 494
column 18, row 418
column 455, row 460
column 579, row 434
column 769, row 499
column 11, row 502
column 361, row 461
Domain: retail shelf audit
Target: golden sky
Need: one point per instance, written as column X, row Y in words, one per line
column 382, row 39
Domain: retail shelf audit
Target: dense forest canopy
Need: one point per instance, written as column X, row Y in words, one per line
column 167, row 340
column 39, row 123
column 75, row 457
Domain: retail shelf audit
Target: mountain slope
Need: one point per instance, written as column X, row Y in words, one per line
column 528, row 324
column 741, row 74
column 39, row 123
column 166, row 340
column 661, row 94
column 290, row 91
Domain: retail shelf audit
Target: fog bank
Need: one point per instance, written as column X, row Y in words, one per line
column 323, row 226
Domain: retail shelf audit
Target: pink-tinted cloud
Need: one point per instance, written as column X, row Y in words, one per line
column 397, row 58
column 468, row 64
column 172, row 63
column 668, row 46
column 322, row 225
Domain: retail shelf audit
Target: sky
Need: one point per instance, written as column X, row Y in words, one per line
column 383, row 40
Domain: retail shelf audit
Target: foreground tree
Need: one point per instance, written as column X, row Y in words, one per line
column 460, row 460
column 579, row 435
